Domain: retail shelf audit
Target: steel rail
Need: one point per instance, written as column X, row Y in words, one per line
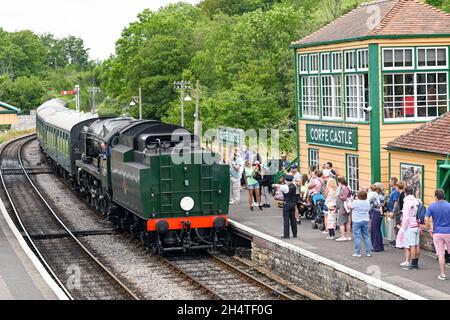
column 69, row 232
column 191, row 279
column 249, row 277
column 27, row 235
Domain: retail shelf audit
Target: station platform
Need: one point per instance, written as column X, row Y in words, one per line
column 383, row 266
column 20, row 279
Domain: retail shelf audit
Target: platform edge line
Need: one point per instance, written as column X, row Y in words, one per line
column 45, row 275
column 337, row 266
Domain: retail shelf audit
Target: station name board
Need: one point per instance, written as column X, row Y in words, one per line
column 332, row 136
column 231, row 136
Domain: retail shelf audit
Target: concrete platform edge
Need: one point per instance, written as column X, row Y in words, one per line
column 45, row 275
column 351, row 272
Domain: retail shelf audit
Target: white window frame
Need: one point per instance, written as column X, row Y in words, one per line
column 426, row 60
column 413, row 57
column 322, row 56
column 365, row 53
column 334, row 96
column 359, row 97
column 339, row 59
column 354, row 61
column 311, row 64
column 416, row 117
column 301, row 59
column 312, row 159
column 308, row 99
column 352, row 160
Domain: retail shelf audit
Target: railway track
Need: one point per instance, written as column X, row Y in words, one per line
column 228, row 278
column 206, row 275
column 74, row 268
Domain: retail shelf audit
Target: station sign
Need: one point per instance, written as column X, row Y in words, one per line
column 332, row 136
column 231, row 136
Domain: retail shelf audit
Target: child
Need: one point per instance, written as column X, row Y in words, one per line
column 331, row 222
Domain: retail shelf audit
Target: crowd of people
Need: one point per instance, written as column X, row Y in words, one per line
column 371, row 215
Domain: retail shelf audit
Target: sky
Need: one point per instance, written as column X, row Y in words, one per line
column 98, row 22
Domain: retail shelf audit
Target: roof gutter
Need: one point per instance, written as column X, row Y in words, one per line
column 363, row 38
column 390, row 148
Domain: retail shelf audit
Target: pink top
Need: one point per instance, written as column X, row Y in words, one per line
column 316, row 185
column 410, row 206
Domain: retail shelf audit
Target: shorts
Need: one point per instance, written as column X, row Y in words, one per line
column 412, row 237
column 440, row 241
column 253, row 186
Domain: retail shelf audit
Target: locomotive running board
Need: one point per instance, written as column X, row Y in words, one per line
column 29, row 170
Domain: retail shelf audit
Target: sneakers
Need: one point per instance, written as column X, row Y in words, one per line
column 348, row 239
column 404, row 264
column 330, row 238
column 368, row 255
column 356, row 255
column 341, row 239
column 442, row 277
column 325, row 232
column 255, row 204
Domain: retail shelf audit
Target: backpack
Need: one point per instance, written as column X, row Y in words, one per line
column 421, row 213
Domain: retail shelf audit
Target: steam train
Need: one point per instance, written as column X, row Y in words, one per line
column 135, row 172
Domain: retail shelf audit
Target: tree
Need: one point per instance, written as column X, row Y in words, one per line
column 22, row 53
column 26, row 93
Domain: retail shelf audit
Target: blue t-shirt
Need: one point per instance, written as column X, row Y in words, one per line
column 440, row 212
column 394, row 196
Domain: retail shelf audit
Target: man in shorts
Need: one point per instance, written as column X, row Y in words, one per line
column 439, row 211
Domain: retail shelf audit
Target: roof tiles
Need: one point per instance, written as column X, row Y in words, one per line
column 389, row 17
column 431, row 137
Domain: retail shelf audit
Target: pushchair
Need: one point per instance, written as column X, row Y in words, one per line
column 305, row 209
column 318, row 222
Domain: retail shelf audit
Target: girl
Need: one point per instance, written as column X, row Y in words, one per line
column 331, row 196
column 331, row 222
column 252, row 185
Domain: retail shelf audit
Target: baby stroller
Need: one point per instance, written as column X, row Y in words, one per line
column 318, row 222
column 305, row 209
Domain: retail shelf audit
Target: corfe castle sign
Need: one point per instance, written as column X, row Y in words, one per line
column 332, row 136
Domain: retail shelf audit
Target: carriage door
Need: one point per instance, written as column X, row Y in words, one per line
column 443, row 177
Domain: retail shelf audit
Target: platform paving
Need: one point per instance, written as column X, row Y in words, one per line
column 19, row 278
column 383, row 265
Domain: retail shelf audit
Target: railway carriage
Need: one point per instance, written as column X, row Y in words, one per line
column 138, row 174
column 58, row 129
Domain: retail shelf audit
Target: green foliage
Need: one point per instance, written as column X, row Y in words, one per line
column 35, row 68
column 442, row 4
column 239, row 50
column 23, row 92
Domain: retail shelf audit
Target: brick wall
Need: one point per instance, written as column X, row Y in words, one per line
column 319, row 278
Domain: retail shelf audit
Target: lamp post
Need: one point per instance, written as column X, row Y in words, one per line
column 137, row 99
column 182, row 86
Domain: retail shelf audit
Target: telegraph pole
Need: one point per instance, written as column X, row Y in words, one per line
column 138, row 99
column 197, row 109
column 77, row 98
column 93, row 91
column 182, row 86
